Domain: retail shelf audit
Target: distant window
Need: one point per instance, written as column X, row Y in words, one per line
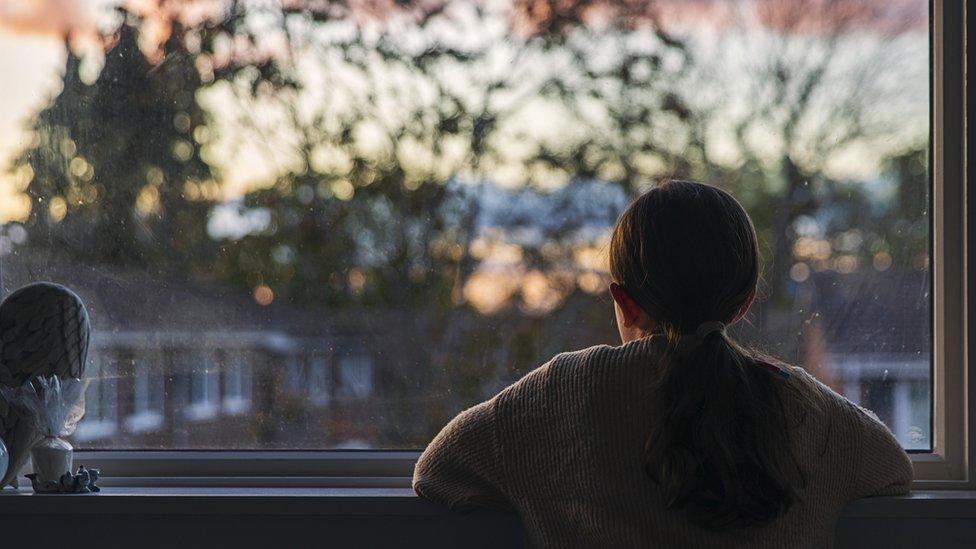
column 320, row 380
column 355, row 376
column 147, row 394
column 100, row 400
column 237, row 382
column 294, row 382
column 203, row 387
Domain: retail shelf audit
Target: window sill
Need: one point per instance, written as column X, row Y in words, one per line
column 376, row 501
column 162, row 517
column 386, row 517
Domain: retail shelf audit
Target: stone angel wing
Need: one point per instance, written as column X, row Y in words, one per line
column 44, row 330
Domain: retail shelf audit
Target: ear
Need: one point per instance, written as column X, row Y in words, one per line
column 630, row 310
column 745, row 307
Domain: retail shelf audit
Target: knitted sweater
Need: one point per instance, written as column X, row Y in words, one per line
column 563, row 448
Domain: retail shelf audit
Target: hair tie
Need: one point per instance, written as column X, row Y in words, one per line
column 707, row 328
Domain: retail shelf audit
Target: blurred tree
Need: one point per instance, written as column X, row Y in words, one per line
column 811, row 102
column 112, row 161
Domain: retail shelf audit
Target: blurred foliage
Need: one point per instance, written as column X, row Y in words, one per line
column 111, row 160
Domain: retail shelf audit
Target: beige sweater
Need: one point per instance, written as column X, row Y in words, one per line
column 562, row 447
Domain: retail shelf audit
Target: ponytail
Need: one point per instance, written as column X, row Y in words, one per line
column 713, row 452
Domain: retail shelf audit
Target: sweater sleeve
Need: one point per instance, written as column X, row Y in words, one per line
column 462, row 466
column 883, row 467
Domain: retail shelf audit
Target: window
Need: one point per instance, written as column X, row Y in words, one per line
column 294, row 378
column 202, row 384
column 147, row 394
column 237, row 382
column 320, row 380
column 306, row 228
column 100, row 420
column 355, row 377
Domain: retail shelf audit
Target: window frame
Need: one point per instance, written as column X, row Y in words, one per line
column 950, row 464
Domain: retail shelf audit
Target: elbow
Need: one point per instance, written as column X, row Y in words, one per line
column 418, row 488
column 419, row 475
column 901, row 481
column 907, row 476
column 426, row 479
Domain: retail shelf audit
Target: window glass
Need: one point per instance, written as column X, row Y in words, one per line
column 335, row 225
column 320, row 380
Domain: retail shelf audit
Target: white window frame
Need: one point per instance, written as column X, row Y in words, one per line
column 950, row 465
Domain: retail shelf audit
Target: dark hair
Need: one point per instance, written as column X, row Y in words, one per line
column 687, row 253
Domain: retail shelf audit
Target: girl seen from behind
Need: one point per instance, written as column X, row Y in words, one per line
column 679, row 437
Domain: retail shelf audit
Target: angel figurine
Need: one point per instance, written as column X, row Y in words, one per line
column 44, row 330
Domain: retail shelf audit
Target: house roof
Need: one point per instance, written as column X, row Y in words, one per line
column 872, row 312
column 133, row 301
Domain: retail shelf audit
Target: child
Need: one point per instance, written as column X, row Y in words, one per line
column 680, row 437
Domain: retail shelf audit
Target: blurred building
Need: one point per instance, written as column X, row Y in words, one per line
column 869, row 337
column 178, row 365
column 175, row 364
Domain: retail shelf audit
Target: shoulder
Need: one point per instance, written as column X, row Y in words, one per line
column 584, row 362
column 823, row 401
column 832, row 401
column 558, row 368
column 568, row 374
column 854, row 427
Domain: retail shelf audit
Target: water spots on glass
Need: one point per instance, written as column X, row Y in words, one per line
column 414, row 215
column 916, row 434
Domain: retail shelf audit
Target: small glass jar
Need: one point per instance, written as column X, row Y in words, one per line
column 51, row 458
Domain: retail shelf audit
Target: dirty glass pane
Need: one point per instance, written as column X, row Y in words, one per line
column 335, row 225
